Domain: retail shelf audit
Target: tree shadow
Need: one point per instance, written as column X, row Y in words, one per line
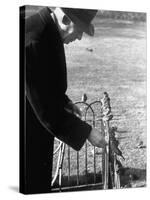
column 128, row 178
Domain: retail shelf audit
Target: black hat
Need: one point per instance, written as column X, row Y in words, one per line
column 82, row 17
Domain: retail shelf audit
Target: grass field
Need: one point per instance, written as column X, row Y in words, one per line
column 115, row 61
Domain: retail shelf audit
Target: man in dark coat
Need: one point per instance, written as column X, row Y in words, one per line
column 49, row 111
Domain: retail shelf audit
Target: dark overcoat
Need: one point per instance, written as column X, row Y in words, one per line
column 46, row 85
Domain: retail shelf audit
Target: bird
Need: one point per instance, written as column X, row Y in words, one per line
column 140, row 145
column 84, row 98
column 114, row 148
column 89, row 49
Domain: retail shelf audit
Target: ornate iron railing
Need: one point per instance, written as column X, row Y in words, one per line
column 109, row 170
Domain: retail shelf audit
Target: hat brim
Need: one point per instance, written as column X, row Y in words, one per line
column 87, row 28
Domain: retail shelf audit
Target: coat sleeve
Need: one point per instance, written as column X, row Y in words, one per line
column 45, row 89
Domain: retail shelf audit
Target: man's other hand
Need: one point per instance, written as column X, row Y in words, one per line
column 74, row 109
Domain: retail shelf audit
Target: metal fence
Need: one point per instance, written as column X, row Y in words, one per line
column 97, row 170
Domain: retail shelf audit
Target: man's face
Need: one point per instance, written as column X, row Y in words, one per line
column 71, row 31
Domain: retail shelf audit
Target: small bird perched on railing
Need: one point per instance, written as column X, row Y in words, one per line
column 84, row 98
column 106, row 108
column 114, row 143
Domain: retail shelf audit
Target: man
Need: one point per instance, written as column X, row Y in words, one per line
column 49, row 111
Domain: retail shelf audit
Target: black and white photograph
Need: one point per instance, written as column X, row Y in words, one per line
column 83, row 98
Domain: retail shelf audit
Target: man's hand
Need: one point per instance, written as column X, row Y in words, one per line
column 73, row 108
column 96, row 138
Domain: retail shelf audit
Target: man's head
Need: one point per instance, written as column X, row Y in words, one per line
column 73, row 22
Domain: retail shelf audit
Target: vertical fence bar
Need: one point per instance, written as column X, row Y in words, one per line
column 103, row 154
column 94, row 154
column 94, row 166
column 77, row 168
column 103, row 165
column 60, row 171
column 106, row 116
column 111, row 175
column 58, row 165
column 106, row 176
column 116, row 174
column 103, row 150
column 61, row 165
column 68, row 165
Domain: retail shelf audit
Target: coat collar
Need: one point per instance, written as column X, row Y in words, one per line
column 45, row 15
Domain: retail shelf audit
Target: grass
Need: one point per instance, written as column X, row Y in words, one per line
column 136, row 16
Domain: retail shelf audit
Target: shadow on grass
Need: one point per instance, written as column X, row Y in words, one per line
column 83, row 180
column 123, row 131
column 128, row 178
